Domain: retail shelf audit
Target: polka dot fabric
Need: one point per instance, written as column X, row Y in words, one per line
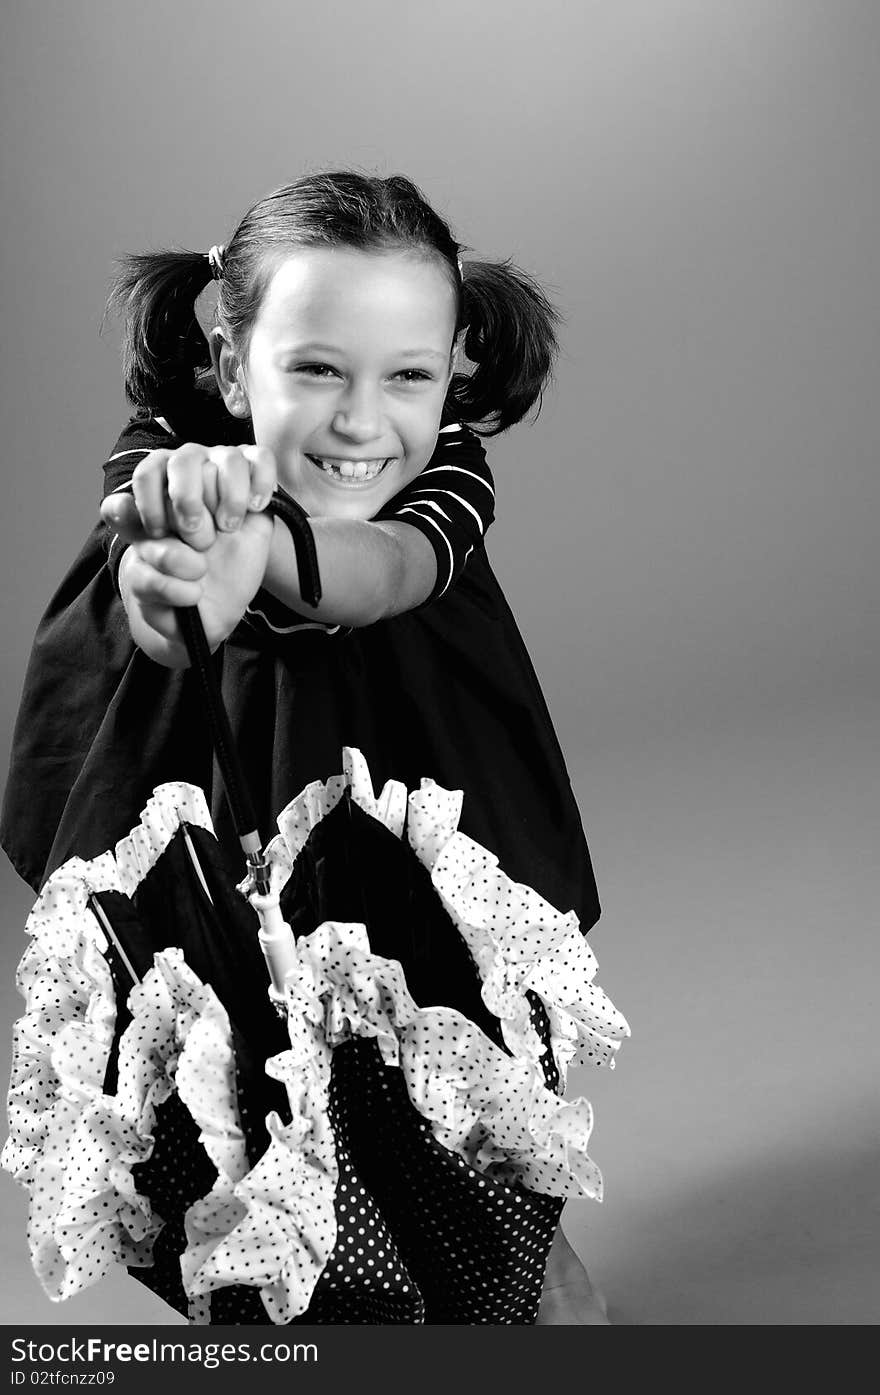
column 495, row 1110
column 65, row 1145
column 475, row 1247
column 414, row 1168
column 521, row 945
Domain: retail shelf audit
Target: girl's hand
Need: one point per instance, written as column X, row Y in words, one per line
column 158, row 575
column 195, row 492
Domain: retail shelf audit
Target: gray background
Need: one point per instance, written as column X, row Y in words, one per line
column 687, row 534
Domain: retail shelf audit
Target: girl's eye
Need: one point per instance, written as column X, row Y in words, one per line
column 316, row 370
column 326, row 370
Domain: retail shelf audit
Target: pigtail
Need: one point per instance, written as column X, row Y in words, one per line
column 510, row 337
column 163, row 346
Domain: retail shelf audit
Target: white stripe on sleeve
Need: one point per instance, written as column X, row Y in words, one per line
column 438, row 469
column 464, row 503
column 135, row 450
column 429, row 504
column 427, row 519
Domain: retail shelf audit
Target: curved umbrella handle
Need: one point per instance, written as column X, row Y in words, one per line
column 282, row 505
column 193, row 631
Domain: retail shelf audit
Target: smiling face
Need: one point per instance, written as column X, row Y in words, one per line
column 345, row 374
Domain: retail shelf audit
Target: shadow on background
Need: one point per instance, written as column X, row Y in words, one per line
column 791, row 1236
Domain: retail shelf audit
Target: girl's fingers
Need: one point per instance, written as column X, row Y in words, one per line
column 165, row 573
column 173, row 557
column 148, row 490
column 196, row 491
column 151, row 588
column 120, row 512
column 263, row 476
column 233, row 486
column 185, row 473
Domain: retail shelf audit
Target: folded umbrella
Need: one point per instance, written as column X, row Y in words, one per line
column 327, row 1094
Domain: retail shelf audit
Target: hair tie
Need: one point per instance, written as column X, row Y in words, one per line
column 216, row 261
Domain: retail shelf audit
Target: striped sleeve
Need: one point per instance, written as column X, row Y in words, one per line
column 137, row 440
column 452, row 502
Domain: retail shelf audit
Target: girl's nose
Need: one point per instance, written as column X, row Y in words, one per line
column 357, row 415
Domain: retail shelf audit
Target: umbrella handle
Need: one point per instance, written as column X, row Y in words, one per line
column 277, row 943
column 282, row 506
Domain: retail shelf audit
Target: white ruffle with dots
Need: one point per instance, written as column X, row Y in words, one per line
column 70, row 1144
column 273, row 1226
column 517, row 939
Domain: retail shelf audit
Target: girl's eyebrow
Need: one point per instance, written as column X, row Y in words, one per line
column 311, row 348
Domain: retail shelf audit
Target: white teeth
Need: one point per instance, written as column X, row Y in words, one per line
column 351, row 469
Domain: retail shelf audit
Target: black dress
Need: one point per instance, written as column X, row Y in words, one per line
column 444, row 694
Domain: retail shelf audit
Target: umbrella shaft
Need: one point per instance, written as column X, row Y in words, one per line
column 276, row 941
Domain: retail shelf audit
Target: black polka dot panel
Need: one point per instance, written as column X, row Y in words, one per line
column 154, row 1078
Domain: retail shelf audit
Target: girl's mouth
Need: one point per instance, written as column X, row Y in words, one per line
column 350, row 472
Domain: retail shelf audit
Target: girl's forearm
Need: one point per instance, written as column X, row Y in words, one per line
column 369, row 570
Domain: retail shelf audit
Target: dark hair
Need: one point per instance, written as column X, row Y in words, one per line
column 509, row 323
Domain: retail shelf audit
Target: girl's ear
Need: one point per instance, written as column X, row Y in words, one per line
column 228, row 372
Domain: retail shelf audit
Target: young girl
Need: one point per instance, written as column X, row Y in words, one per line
column 342, row 304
